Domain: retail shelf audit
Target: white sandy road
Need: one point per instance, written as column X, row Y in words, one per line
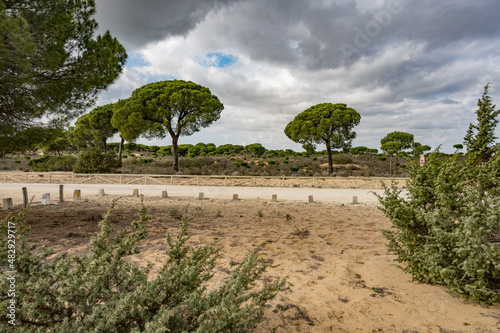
column 340, row 196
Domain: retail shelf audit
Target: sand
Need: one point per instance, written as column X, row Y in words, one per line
column 344, row 279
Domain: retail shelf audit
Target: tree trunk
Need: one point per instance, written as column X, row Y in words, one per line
column 396, row 164
column 330, row 158
column 104, row 146
column 176, row 153
column 390, row 164
column 120, row 149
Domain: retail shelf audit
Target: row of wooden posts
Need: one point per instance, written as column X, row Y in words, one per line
column 77, row 195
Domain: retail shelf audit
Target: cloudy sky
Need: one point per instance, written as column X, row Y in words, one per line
column 413, row 66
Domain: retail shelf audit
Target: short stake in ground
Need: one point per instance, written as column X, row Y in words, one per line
column 7, row 204
column 77, row 195
column 46, row 199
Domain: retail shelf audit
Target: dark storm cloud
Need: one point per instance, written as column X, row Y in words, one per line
column 136, row 23
column 343, row 31
column 315, row 34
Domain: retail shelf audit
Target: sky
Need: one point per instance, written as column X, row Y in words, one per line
column 403, row 65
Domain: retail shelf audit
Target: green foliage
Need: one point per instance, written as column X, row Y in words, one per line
column 329, row 124
column 255, row 149
column 51, row 60
column 419, row 149
column 480, row 138
column 146, row 160
column 167, row 107
column 393, row 143
column 166, row 150
column 105, row 292
column 447, row 231
column 241, row 164
column 53, row 163
column 94, row 127
column 404, row 139
column 56, row 146
column 183, row 149
column 94, row 161
column 358, row 150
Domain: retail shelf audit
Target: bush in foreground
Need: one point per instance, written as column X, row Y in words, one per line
column 448, row 229
column 103, row 292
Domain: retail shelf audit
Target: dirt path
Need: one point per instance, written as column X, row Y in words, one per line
column 339, row 196
column 334, row 254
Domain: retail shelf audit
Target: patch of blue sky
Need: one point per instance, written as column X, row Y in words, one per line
column 135, row 60
column 218, row 59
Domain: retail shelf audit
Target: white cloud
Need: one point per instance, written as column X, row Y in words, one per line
column 288, row 59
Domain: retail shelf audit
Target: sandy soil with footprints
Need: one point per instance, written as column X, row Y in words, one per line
column 335, row 256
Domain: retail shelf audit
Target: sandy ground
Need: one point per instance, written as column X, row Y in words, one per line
column 332, row 252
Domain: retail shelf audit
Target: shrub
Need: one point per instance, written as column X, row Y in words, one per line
column 17, row 161
column 342, row 159
column 94, row 161
column 294, row 169
column 27, row 157
column 271, row 162
column 105, row 292
column 146, row 160
column 53, row 163
column 448, row 231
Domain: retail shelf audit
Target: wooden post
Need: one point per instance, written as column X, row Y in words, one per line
column 354, row 200
column 25, row 197
column 311, row 200
column 235, row 196
column 61, row 193
column 135, row 193
column 46, row 199
column 201, row 196
column 77, row 195
column 7, row 204
column 274, row 198
column 164, row 194
column 100, row 191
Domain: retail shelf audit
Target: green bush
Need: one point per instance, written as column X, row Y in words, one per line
column 447, row 230
column 94, row 161
column 53, row 163
column 241, row 164
column 17, row 161
column 27, row 157
column 146, row 160
column 294, row 169
column 342, row 159
column 105, row 292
